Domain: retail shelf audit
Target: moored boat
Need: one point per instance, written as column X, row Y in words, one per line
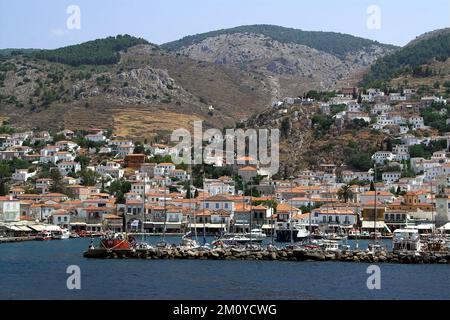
column 61, row 235
column 44, row 236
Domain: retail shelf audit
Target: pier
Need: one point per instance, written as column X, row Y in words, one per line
column 16, row 239
column 272, row 254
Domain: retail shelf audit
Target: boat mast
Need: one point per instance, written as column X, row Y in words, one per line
column 291, row 214
column 251, row 213
column 375, row 205
column 165, row 211
column 310, row 209
column 143, row 207
column 190, row 202
column 203, row 208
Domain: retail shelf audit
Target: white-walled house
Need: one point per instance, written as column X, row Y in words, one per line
column 22, row 175
column 381, row 156
column 9, row 209
column 390, row 177
column 65, row 167
column 97, row 137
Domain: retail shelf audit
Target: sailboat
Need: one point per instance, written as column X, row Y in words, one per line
column 163, row 243
column 186, row 240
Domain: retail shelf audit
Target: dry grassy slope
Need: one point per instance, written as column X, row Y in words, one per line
column 442, row 74
column 234, row 94
column 126, row 103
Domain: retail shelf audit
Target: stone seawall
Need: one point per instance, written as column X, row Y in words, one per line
column 272, row 255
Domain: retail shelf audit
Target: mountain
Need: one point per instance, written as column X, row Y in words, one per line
column 289, row 61
column 337, row 44
column 426, row 56
column 124, row 83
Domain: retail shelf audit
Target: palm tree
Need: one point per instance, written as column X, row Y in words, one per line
column 345, row 193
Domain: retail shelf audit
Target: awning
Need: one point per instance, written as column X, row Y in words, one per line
column 424, row 226
column 50, row 227
column 24, row 228
column 13, row 228
column 207, row 225
column 37, row 227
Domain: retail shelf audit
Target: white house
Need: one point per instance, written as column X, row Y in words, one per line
column 22, row 175
column 391, row 177
column 381, row 156
column 9, row 209
column 97, row 137
column 66, row 167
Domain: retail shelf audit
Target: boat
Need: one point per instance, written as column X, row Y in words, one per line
column 256, row 234
column 406, row 240
column 74, row 235
column 334, row 236
column 329, row 245
column 302, row 233
column 61, row 235
column 116, row 241
column 142, row 246
column 375, row 248
column 233, row 239
column 189, row 243
column 354, row 234
column 44, row 235
column 162, row 244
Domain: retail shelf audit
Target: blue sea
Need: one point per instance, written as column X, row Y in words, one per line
column 37, row 270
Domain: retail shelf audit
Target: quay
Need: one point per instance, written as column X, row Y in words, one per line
column 16, row 239
column 272, row 254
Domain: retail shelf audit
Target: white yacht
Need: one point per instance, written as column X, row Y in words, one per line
column 302, row 233
column 255, row 234
column 61, row 235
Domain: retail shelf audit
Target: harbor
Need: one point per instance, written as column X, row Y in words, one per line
column 43, row 264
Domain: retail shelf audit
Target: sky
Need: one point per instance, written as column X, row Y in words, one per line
column 43, row 23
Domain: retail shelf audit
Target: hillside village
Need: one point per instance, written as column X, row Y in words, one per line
column 88, row 181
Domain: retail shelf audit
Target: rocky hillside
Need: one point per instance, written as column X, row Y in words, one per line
column 289, row 61
column 145, row 92
column 309, row 138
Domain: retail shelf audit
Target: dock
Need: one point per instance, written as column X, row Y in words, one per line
column 273, row 254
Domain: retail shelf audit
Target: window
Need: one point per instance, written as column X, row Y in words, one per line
column 217, row 205
column 324, row 219
column 207, row 205
column 226, row 205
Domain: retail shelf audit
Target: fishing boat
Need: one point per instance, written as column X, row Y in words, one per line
column 61, row 235
column 44, row 236
column 116, row 241
column 330, row 245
